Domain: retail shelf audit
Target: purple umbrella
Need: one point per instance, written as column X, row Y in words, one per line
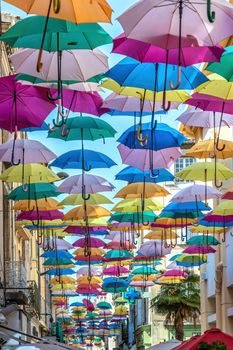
column 25, row 151
column 205, row 119
column 140, row 158
column 56, row 244
column 175, row 273
column 80, row 230
column 154, row 249
column 190, row 53
column 218, row 218
column 43, row 215
column 93, row 184
column 83, row 102
column 199, row 249
column 196, row 193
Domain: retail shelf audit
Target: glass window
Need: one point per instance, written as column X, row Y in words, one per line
column 181, row 164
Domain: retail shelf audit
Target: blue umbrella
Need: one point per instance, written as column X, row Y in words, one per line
column 60, row 272
column 78, row 159
column 155, row 77
column 116, row 113
column 114, row 285
column 132, row 174
column 60, row 254
column 186, row 207
column 77, row 304
column 159, row 137
column 43, row 127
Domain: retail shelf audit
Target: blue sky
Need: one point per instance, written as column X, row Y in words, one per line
column 119, row 123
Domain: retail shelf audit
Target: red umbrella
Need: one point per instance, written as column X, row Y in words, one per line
column 88, row 304
column 210, row 336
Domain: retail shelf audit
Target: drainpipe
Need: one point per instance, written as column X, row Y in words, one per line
column 218, row 293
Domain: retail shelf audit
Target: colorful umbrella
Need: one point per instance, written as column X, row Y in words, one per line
column 132, row 174
column 76, row 199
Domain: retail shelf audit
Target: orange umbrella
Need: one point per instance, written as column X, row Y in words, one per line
column 91, row 211
column 135, row 190
column 42, row 205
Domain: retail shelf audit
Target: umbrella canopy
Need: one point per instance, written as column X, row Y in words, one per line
column 135, row 190
column 224, row 66
column 76, row 199
column 90, row 242
column 143, row 158
column 42, row 204
column 93, row 184
column 79, row 65
column 74, row 160
column 132, row 174
column 96, row 11
column 42, row 215
column 207, row 148
column 90, row 210
column 135, row 204
column 224, row 208
column 18, row 104
column 184, row 207
column 115, row 271
column 199, row 249
column 28, row 33
column 147, row 216
column 196, row 192
column 154, row 249
column 202, row 240
column 35, row 191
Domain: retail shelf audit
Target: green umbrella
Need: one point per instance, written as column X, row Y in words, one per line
column 225, row 66
column 57, row 262
column 118, row 255
column 60, row 34
column 144, row 270
column 35, row 80
column 104, row 305
column 35, row 191
column 83, row 128
column 202, row 240
column 134, row 217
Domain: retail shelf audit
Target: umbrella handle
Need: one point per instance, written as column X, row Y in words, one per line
column 39, row 64
column 56, row 6
column 165, row 108
column 84, row 196
column 172, row 86
column 24, row 186
column 65, row 132
column 215, row 176
column 57, row 97
column 87, row 168
column 153, row 175
column 13, row 153
column 139, row 135
column 220, row 149
column 210, row 14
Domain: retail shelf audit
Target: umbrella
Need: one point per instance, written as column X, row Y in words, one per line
column 191, row 259
column 197, row 193
column 205, row 119
column 153, row 249
column 25, row 151
column 28, row 33
column 93, row 184
column 135, row 190
column 42, row 204
column 74, row 11
column 76, row 199
column 35, row 192
column 175, row 273
column 91, row 242
column 199, row 249
column 56, row 244
column 228, row 194
column 224, row 208
column 84, row 271
column 43, row 215
column 144, row 270
column 62, row 279
column 143, row 159
column 90, row 210
column 135, row 205
column 191, row 53
column 117, row 255
column 114, row 285
column 115, row 271
column 136, row 217
column 56, row 254
column 202, row 240
column 224, row 66
column 74, row 160
column 132, row 174
column 103, row 305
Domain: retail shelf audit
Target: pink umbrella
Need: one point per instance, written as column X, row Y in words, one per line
column 218, row 218
column 42, row 215
column 83, row 102
column 153, row 249
column 119, row 236
column 140, row 158
column 199, row 249
column 175, row 273
column 196, row 193
column 93, row 184
column 210, row 103
column 205, row 119
column 132, row 104
column 143, row 284
column 84, row 271
column 26, row 151
column 115, row 271
column 80, row 230
column 179, row 225
column 191, row 52
column 88, row 290
column 90, row 242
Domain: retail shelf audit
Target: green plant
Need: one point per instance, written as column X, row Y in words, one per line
column 179, row 303
column 214, row 346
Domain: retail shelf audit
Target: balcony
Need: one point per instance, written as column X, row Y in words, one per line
column 17, row 289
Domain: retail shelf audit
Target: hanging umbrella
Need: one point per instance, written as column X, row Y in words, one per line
column 56, row 244
column 212, row 102
column 199, row 249
column 115, row 271
column 117, row 255
column 144, row 270
column 175, row 273
column 96, row 11
column 91, row 280
column 191, row 260
column 135, row 217
column 43, row 215
column 92, row 183
column 224, row 66
column 205, row 119
column 202, row 240
column 132, row 174
column 76, row 199
column 74, row 160
column 228, row 194
column 196, row 193
column 42, row 204
column 135, row 205
column 56, row 254
column 35, row 192
column 143, row 159
column 118, row 245
column 62, row 279
column 78, row 65
column 224, row 208
column 135, row 190
column 153, row 249
column 190, row 52
column 25, row 151
column 91, row 211
column 114, row 285
column 91, row 242
column 83, row 271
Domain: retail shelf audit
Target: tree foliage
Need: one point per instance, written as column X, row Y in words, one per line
column 180, row 303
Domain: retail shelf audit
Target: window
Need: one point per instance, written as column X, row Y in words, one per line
column 181, row 164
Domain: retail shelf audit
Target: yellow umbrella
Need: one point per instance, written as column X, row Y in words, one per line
column 77, row 199
column 63, row 287
column 91, row 211
column 91, row 222
column 170, row 280
column 218, row 88
column 161, row 234
column 139, row 278
column 205, row 230
column 224, row 208
column 88, row 280
column 135, row 204
column 70, row 266
column 42, row 205
column 137, row 189
column 171, row 95
column 77, row 11
column 93, row 251
column 207, row 149
column 57, row 222
column 29, row 173
column 62, row 279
